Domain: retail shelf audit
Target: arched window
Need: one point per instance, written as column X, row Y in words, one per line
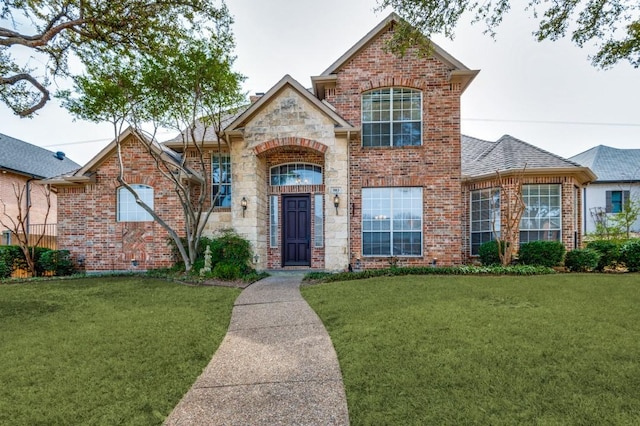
column 392, row 117
column 296, row 174
column 128, row 209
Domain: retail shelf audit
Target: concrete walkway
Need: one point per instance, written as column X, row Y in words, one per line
column 275, row 366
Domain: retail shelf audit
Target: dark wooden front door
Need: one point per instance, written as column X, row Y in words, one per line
column 296, row 230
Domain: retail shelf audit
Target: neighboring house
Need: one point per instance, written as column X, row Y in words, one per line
column 22, row 165
column 366, row 168
column 618, row 180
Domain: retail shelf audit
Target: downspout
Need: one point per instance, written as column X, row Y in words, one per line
column 27, row 219
column 584, row 210
column 349, row 201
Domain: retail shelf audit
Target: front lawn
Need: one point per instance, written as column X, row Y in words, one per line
column 561, row 349
column 104, row 350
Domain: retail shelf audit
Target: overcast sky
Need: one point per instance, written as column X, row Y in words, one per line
column 547, row 94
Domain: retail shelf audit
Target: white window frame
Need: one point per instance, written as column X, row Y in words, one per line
column 222, row 198
column 482, row 220
column 374, row 113
column 127, row 208
column 300, row 179
column 380, row 218
column 539, row 216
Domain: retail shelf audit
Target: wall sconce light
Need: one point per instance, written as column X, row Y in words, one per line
column 336, row 202
column 243, row 203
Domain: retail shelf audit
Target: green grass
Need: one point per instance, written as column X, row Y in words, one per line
column 104, row 351
column 544, row 350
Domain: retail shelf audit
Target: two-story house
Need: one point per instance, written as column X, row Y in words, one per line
column 365, row 168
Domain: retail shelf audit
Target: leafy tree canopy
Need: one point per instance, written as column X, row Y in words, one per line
column 612, row 25
column 51, row 32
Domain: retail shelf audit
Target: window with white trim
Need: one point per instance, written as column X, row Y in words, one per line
column 542, row 218
column 485, row 217
column 273, row 220
column 296, row 174
column 392, row 117
column 392, row 221
column 221, row 180
column 318, row 222
column 128, row 209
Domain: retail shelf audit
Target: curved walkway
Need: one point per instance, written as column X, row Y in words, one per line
column 275, row 366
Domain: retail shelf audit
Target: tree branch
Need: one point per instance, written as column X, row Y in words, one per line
column 44, row 98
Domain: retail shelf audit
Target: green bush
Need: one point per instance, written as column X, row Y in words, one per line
column 542, row 253
column 488, row 253
column 231, row 248
column 56, row 261
column 13, row 259
column 630, row 255
column 582, row 260
column 609, row 252
column 6, row 263
column 227, row 271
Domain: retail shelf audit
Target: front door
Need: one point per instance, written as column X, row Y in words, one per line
column 296, row 230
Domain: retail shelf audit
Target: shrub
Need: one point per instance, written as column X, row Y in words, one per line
column 56, row 261
column 609, row 252
column 630, row 255
column 230, row 248
column 6, row 263
column 542, row 253
column 488, row 253
column 227, row 271
column 582, row 260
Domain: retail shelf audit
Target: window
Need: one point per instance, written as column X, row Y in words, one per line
column 392, row 117
column 485, row 217
column 128, row 209
column 6, row 238
column 318, row 225
column 273, row 221
column 392, row 221
column 541, row 219
column 296, row 174
column 221, row 177
column 616, row 200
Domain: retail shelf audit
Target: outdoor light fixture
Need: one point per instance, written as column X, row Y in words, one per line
column 336, row 202
column 243, row 203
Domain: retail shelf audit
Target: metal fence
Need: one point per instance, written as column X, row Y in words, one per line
column 49, row 233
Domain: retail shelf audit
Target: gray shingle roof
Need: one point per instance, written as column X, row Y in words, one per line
column 25, row 158
column 480, row 157
column 611, row 164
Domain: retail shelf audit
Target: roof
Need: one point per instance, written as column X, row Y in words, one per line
column 483, row 158
column 27, row 159
column 288, row 81
column 611, row 164
column 206, row 133
column 458, row 71
column 85, row 173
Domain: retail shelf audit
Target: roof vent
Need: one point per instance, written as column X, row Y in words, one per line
column 59, row 155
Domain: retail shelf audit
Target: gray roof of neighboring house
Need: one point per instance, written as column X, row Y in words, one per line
column 27, row 159
column 480, row 157
column 611, row 164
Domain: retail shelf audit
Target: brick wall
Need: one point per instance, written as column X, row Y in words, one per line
column 571, row 196
column 88, row 226
column 434, row 166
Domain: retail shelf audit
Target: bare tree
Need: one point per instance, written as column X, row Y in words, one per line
column 512, row 207
column 17, row 222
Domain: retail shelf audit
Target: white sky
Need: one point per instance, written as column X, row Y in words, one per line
column 547, row 94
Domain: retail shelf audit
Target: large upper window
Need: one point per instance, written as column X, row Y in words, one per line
column 128, row 209
column 392, row 117
column 485, row 217
column 542, row 218
column 296, row 174
column 221, row 177
column 392, row 221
